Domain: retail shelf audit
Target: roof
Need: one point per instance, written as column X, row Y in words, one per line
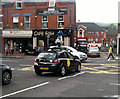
column 91, row 26
column 112, row 32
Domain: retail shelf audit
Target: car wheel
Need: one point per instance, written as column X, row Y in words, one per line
column 6, row 78
column 38, row 72
column 78, row 68
column 63, row 71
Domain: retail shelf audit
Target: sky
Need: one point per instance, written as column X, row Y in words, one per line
column 102, row 11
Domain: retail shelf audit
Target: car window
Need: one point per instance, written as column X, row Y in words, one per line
column 70, row 55
column 94, row 48
column 63, row 55
column 47, row 55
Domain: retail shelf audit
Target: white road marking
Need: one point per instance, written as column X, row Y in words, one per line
column 115, row 84
column 8, row 61
column 26, row 65
column 116, row 96
column 26, row 89
column 71, row 76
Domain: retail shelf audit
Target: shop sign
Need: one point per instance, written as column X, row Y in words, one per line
column 57, row 11
column 38, row 33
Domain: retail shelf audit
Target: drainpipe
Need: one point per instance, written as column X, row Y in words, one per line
column 35, row 13
column 6, row 17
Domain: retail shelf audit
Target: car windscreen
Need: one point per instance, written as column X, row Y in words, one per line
column 82, row 42
column 47, row 55
column 94, row 48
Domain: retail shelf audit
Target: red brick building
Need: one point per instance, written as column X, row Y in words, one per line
column 37, row 23
column 94, row 33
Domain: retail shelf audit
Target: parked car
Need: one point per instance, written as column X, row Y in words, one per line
column 82, row 56
column 6, row 74
column 30, row 51
column 60, row 62
column 93, row 51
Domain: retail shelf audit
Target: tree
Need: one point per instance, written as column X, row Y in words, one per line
column 112, row 26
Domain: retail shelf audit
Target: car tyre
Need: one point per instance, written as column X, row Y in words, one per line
column 6, row 78
column 38, row 72
column 63, row 71
column 78, row 68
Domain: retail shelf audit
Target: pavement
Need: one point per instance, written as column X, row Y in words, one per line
column 22, row 56
column 18, row 56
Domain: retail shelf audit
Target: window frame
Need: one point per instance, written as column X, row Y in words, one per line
column 52, row 1
column 44, row 22
column 17, row 3
column 15, row 22
column 26, row 22
column 61, row 22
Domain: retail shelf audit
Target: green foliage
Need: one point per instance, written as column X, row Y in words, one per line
column 112, row 26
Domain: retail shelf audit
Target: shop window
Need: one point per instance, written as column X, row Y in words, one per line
column 61, row 21
column 27, row 22
column 44, row 21
column 51, row 3
column 15, row 22
column 19, row 4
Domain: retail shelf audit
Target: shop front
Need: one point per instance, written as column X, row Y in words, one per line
column 18, row 40
column 46, row 37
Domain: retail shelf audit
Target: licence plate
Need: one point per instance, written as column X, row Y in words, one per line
column 93, row 53
column 44, row 68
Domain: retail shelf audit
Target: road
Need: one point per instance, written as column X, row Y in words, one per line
column 98, row 78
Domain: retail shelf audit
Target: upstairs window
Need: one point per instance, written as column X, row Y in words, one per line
column 27, row 22
column 44, row 21
column 19, row 4
column 102, row 33
column 81, row 32
column 89, row 33
column 61, row 21
column 1, row 23
column 15, row 22
column 96, row 39
column 51, row 3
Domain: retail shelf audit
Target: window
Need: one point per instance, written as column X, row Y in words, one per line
column 92, row 33
column 80, row 32
column 19, row 4
column 102, row 33
column 1, row 23
column 96, row 33
column 70, row 56
column 51, row 3
column 63, row 55
column 89, row 40
column 27, row 22
column 89, row 33
column 15, row 22
column 96, row 39
column 101, row 39
column 61, row 21
column 44, row 21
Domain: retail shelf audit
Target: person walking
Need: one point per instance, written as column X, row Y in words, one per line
column 110, row 53
column 8, row 49
column 12, row 50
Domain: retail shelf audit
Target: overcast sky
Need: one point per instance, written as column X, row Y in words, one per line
column 105, row 11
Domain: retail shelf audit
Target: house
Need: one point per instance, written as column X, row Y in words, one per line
column 36, row 23
column 94, row 33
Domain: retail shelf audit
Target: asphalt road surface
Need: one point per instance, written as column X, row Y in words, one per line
column 98, row 78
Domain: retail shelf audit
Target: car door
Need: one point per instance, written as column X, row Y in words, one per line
column 75, row 62
column 68, row 62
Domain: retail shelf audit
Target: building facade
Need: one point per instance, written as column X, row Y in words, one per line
column 36, row 24
column 94, row 33
column 118, row 39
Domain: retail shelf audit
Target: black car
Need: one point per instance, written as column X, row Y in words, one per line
column 30, row 51
column 59, row 62
column 6, row 74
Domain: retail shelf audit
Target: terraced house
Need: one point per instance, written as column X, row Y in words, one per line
column 36, row 23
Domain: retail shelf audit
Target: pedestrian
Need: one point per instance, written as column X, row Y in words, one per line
column 8, row 49
column 110, row 52
column 12, row 50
